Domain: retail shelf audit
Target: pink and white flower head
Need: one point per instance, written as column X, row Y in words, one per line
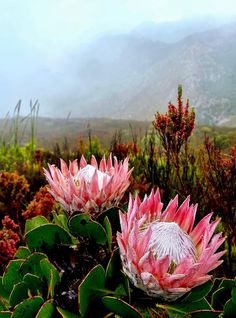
column 88, row 187
column 162, row 253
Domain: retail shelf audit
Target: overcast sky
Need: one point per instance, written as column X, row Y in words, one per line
column 37, row 35
column 61, row 23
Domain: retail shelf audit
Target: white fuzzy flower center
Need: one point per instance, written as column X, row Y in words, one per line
column 88, row 172
column 169, row 239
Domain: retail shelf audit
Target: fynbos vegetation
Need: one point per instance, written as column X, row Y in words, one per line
column 142, row 227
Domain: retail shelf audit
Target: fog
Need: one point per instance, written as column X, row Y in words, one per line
column 45, row 44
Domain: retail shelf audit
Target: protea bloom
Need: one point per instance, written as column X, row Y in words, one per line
column 161, row 252
column 88, row 187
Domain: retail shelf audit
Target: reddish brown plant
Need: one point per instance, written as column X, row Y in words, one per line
column 42, row 204
column 13, row 192
column 219, row 176
column 176, row 126
column 9, row 238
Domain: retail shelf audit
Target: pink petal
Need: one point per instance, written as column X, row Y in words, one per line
column 109, row 163
column 83, row 162
column 73, row 167
column 169, row 214
column 182, row 211
column 102, row 165
column 94, row 162
column 200, row 228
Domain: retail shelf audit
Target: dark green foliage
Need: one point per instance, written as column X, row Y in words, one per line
column 27, row 287
column 86, row 227
column 48, row 279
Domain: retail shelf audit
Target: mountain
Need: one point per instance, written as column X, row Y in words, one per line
column 133, row 75
column 173, row 31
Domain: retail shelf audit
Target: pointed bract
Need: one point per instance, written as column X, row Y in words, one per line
column 161, row 252
column 85, row 187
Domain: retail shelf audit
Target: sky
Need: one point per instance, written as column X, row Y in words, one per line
column 36, row 36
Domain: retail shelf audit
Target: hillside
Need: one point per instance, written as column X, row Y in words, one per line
column 71, row 131
column 131, row 76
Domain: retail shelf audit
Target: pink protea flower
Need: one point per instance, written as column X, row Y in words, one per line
column 88, row 187
column 161, row 252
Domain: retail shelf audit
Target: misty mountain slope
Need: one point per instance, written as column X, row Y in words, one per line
column 113, row 59
column 173, row 31
column 209, row 67
column 128, row 76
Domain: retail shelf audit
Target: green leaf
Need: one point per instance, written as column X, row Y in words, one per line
column 223, row 294
column 3, row 297
column 51, row 275
column 3, row 293
column 32, row 264
column 230, row 305
column 11, row 275
column 113, row 216
column 34, row 283
column 91, row 290
column 5, row 314
column 61, row 219
column 120, row 291
column 199, row 292
column 66, row 314
column 120, row 307
column 2, row 305
column 113, row 267
column 115, row 279
column 107, row 227
column 216, row 284
column 220, row 297
column 181, row 309
column 228, row 283
column 18, row 294
column 234, row 295
column 82, row 224
column 28, row 308
column 47, row 310
column 35, row 222
column 217, row 299
column 22, row 252
column 46, row 237
column 229, row 309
